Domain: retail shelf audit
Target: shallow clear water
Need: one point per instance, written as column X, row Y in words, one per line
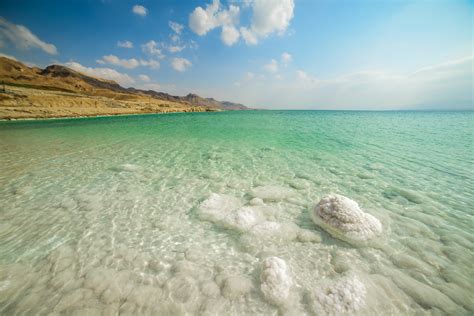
column 104, row 215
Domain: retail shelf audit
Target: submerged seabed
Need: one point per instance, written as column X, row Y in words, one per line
column 106, row 215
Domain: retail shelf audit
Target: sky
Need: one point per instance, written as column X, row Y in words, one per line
column 271, row 54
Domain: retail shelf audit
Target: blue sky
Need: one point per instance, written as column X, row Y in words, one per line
column 264, row 53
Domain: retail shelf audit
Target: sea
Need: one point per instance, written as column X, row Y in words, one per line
column 212, row 214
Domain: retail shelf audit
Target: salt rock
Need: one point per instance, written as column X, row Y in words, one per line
column 227, row 211
column 243, row 219
column 276, row 282
column 343, row 219
column 344, row 296
column 272, row 193
column 274, row 230
column 236, row 286
column 217, row 206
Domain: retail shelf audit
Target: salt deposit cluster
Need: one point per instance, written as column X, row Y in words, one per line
column 340, row 216
column 260, row 251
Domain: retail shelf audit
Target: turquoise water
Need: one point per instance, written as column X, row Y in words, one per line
column 105, row 215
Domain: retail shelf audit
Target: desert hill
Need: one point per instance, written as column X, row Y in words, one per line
column 58, row 91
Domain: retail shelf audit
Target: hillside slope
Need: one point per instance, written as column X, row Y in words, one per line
column 59, row 91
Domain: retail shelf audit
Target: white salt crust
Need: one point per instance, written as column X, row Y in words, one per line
column 275, row 280
column 346, row 295
column 343, row 219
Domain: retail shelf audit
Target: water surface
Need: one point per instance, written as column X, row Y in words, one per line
column 102, row 215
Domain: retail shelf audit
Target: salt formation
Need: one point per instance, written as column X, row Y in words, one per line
column 275, row 230
column 236, row 286
column 227, row 211
column 217, row 206
column 276, row 282
column 344, row 296
column 343, row 219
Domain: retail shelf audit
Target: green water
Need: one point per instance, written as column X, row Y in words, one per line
column 102, row 215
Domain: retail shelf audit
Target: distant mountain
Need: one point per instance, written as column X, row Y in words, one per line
column 61, row 78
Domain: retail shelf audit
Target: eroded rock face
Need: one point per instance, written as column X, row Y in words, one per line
column 276, row 281
column 343, row 219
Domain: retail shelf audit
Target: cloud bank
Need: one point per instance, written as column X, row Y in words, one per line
column 128, row 63
column 447, row 85
column 103, row 73
column 268, row 17
column 180, row 64
column 23, row 38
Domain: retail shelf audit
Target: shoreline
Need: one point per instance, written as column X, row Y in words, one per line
column 21, row 119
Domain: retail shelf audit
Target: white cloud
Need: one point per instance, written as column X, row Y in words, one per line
column 181, row 64
column 249, row 37
column 114, row 60
column 272, row 66
column 230, row 35
column 102, row 73
column 125, row 44
column 151, row 48
column 140, row 10
column 128, row 63
column 249, row 75
column 144, row 78
column 202, row 21
column 176, row 27
column 22, row 37
column 269, row 16
column 175, row 49
column 286, row 58
column 153, row 64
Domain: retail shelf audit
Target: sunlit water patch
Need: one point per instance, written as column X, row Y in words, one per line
column 238, row 213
